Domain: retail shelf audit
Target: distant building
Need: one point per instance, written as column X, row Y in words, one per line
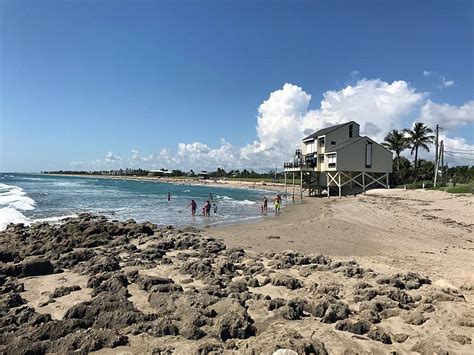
column 159, row 172
column 203, row 174
column 338, row 157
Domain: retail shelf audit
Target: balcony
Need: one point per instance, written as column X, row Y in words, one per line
column 298, row 166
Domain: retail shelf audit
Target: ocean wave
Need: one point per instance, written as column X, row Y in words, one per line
column 68, row 184
column 15, row 197
column 31, row 178
column 230, row 200
column 11, row 215
column 244, row 202
column 51, row 219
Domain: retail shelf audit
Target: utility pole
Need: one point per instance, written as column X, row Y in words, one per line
column 436, row 157
column 441, row 152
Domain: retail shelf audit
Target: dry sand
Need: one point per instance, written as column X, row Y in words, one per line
column 410, row 230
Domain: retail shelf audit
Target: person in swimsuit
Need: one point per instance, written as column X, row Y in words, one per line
column 193, row 205
column 207, row 207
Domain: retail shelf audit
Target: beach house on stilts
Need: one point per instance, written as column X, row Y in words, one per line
column 338, row 159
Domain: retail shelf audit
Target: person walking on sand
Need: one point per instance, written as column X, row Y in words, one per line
column 193, row 205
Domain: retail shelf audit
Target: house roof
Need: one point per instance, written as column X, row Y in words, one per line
column 343, row 144
column 326, row 130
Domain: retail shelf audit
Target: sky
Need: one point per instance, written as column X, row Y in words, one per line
column 236, row 84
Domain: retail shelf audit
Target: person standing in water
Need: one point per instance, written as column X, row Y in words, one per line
column 193, row 205
column 207, row 209
column 265, row 205
column 169, row 196
column 215, row 209
column 277, row 204
column 210, row 196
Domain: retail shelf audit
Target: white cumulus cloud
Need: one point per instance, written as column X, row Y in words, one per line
column 457, row 151
column 135, row 155
column 447, row 116
column 446, row 83
column 285, row 117
column 376, row 105
column 111, row 158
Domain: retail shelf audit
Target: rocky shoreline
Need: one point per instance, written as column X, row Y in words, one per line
column 199, row 296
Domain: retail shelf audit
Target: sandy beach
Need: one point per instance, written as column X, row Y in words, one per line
column 418, row 230
column 389, row 271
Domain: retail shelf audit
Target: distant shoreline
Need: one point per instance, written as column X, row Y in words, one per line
column 274, row 187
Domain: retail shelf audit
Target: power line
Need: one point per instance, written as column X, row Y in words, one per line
column 458, row 162
column 461, row 150
column 458, row 157
column 453, row 152
column 455, row 155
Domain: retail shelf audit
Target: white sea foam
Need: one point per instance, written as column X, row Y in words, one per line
column 15, row 197
column 244, row 202
column 68, row 184
column 51, row 219
column 13, row 200
column 230, row 200
column 10, row 215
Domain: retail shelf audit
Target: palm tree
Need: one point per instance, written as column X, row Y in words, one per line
column 419, row 137
column 395, row 140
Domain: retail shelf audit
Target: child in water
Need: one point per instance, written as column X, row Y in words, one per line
column 277, row 204
column 215, row 208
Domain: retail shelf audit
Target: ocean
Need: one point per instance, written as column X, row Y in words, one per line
column 29, row 198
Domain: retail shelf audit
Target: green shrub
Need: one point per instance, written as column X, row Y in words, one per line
column 461, row 189
column 419, row 185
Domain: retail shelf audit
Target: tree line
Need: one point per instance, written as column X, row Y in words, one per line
column 219, row 173
column 415, row 139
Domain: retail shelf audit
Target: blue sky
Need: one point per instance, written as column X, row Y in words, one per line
column 98, row 84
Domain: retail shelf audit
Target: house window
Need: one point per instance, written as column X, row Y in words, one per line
column 321, row 158
column 368, row 155
column 350, row 131
column 331, row 160
column 310, row 147
column 321, row 142
column 333, row 142
column 311, row 161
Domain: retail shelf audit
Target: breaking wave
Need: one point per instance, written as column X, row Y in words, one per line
column 15, row 197
column 13, row 200
column 227, row 199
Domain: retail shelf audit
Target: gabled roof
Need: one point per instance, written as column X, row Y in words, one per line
column 343, row 144
column 326, row 130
